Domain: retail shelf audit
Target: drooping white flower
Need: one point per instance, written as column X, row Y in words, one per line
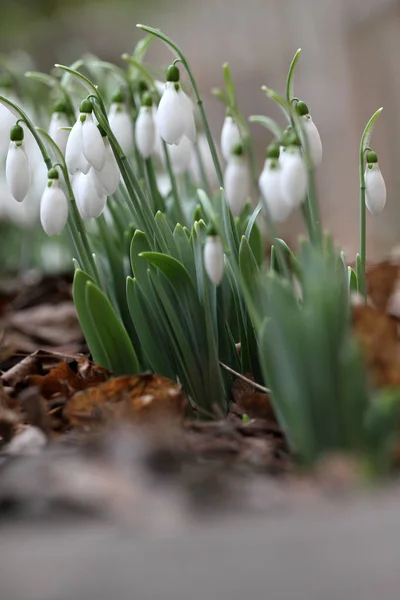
column 375, row 188
column 145, row 131
column 53, row 206
column 109, row 176
column 214, row 258
column 74, row 157
column 59, row 119
column 294, row 179
column 89, row 199
column 237, row 183
column 92, row 143
column 175, row 111
column 181, row 155
column 18, row 175
column 121, row 124
column 270, row 187
column 230, row 137
column 204, row 155
column 310, row 129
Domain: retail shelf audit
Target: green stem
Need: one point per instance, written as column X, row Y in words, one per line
column 199, row 100
column 174, row 186
column 157, row 199
column 365, row 138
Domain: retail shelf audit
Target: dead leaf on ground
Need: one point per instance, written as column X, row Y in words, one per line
column 253, row 403
column 139, row 397
column 381, row 283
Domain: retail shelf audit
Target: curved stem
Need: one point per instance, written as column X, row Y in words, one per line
column 366, row 136
column 199, row 100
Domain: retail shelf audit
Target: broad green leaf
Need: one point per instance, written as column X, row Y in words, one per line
column 121, row 355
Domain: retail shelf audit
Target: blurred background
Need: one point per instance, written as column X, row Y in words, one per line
column 349, row 67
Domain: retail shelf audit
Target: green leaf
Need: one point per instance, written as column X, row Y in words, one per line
column 122, row 359
column 93, row 341
column 290, row 76
column 269, row 123
column 352, row 278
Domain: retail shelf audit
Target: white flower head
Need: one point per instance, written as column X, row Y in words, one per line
column 175, row 116
column 59, row 120
column 310, row 130
column 121, row 123
column 237, row 182
column 294, row 180
column 90, row 199
column 75, row 159
column 145, row 129
column 375, row 188
column 18, row 173
column 109, row 176
column 270, row 187
column 92, row 143
column 181, row 155
column 214, row 258
column 230, row 137
column 53, row 206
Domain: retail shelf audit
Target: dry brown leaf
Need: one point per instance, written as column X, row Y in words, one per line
column 61, row 380
column 126, row 398
column 252, row 402
column 381, row 283
column 378, row 336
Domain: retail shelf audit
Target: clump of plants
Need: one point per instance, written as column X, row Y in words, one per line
column 172, row 272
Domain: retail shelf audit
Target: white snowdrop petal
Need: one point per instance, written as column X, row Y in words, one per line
column 90, row 203
column 237, row 184
column 170, row 124
column 92, row 144
column 60, row 136
column 188, row 115
column 314, row 140
column 230, row 137
column 145, row 131
column 293, row 178
column 270, row 186
column 109, row 176
column 73, row 151
column 53, row 209
column 121, row 126
column 18, row 174
column 181, row 155
column 214, row 259
column 375, row 190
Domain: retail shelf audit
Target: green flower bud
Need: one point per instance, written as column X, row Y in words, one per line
column 142, row 86
column 238, row 150
column 372, row 157
column 118, row 97
column 52, row 173
column 86, row 107
column 147, row 100
column 293, row 139
column 302, row 108
column 212, row 231
column 272, row 151
column 16, row 133
column 173, row 73
column 60, row 107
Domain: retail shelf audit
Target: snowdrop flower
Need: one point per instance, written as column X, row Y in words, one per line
column 59, row 119
column 92, row 143
column 7, row 120
column 109, row 176
column 214, row 257
column 204, row 154
column 237, row 181
column 230, row 137
column 145, row 130
column 312, row 134
column 74, row 153
column 53, row 206
column 121, row 123
column 375, row 188
column 270, row 186
column 175, row 111
column 90, row 198
column 18, row 173
column 294, row 178
column 181, row 155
